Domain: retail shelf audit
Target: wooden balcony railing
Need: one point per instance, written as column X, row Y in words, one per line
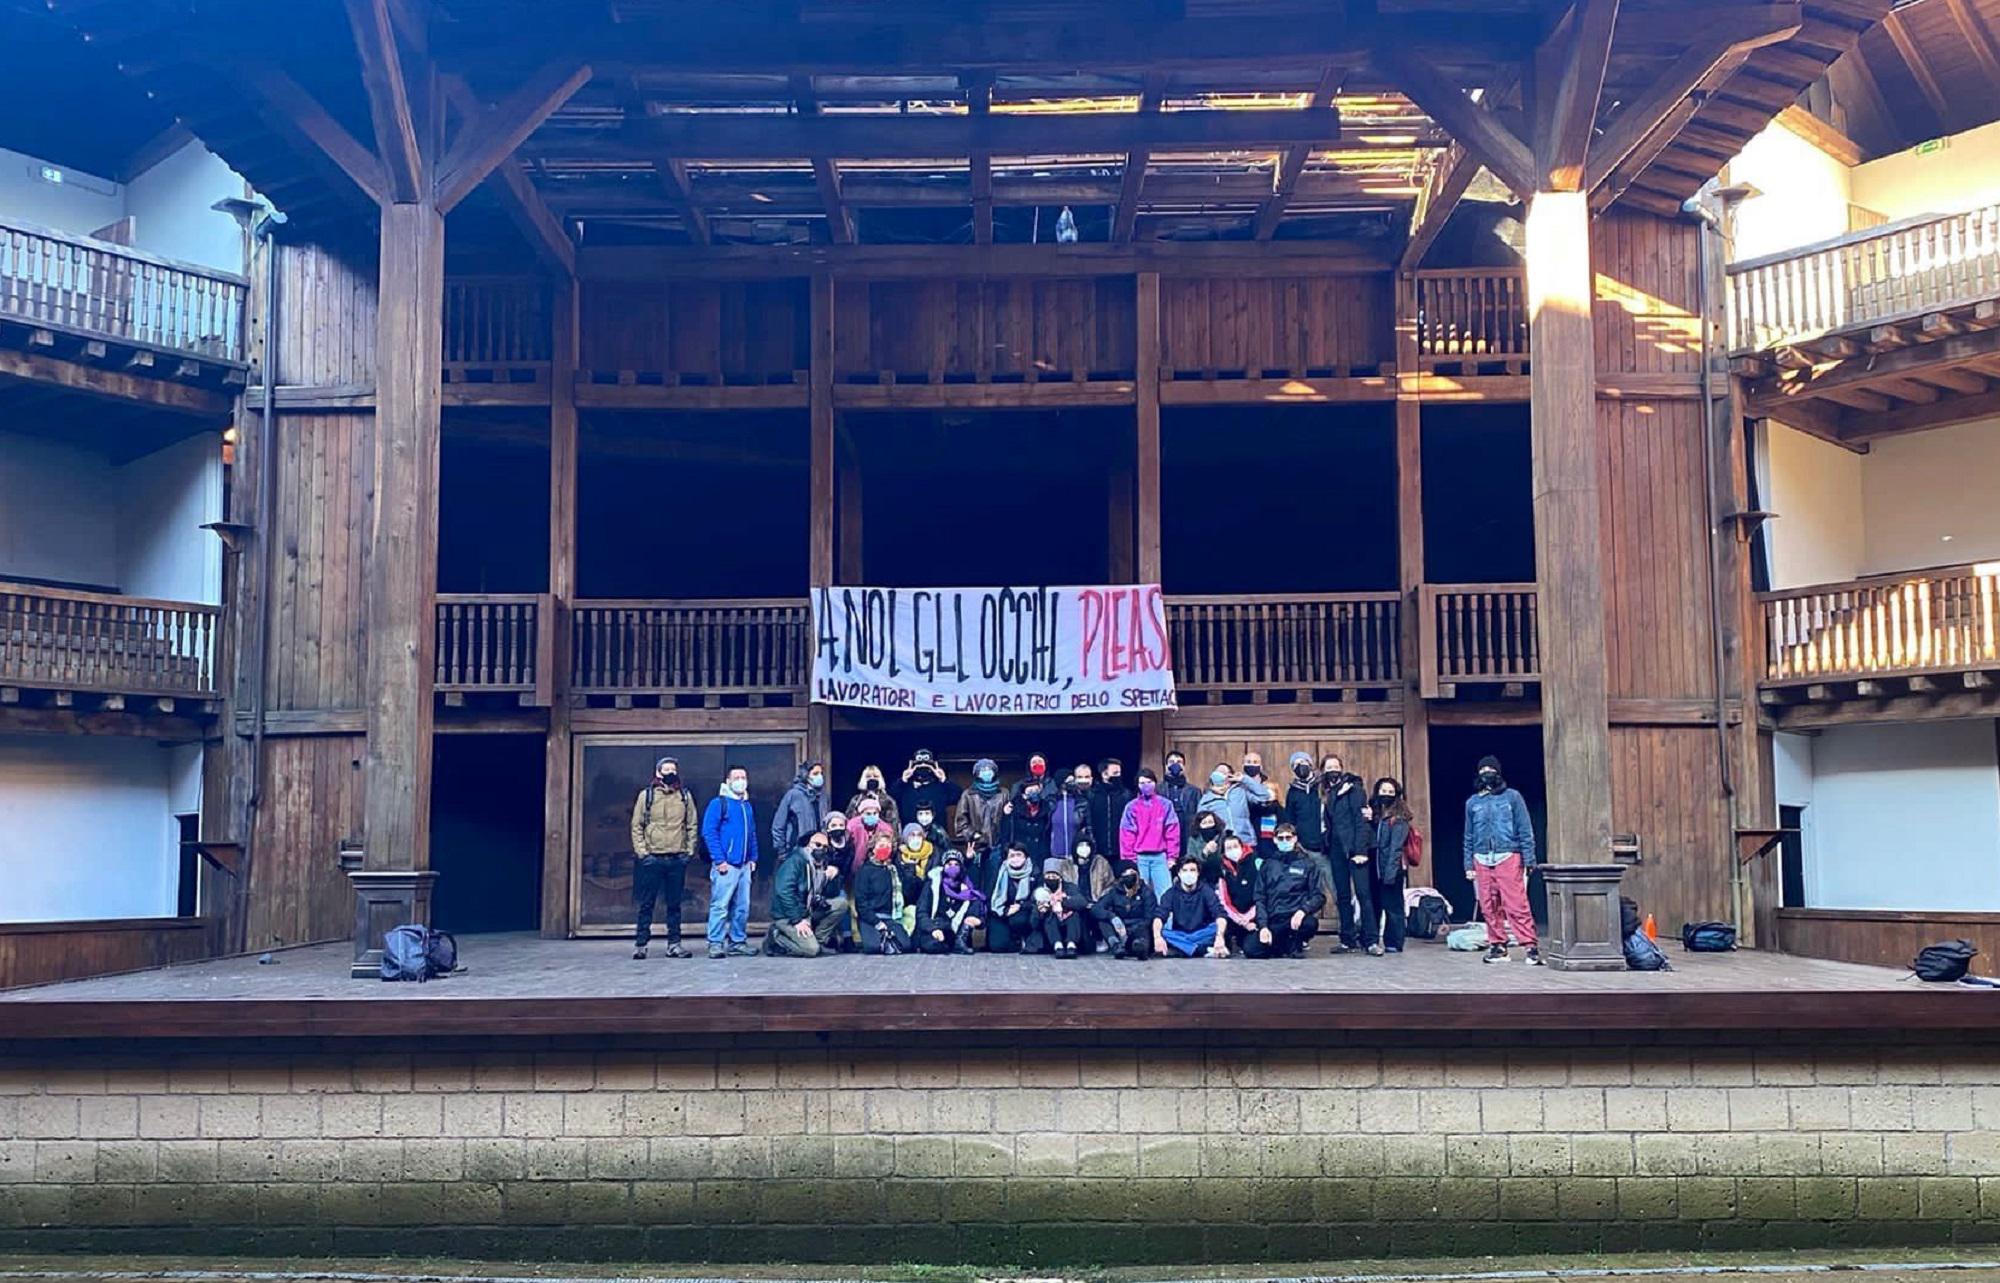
column 1890, row 273
column 1472, row 314
column 496, row 643
column 1476, row 633
column 99, row 290
column 755, row 646
column 1295, row 641
column 496, row 322
column 1930, row 621
column 105, row 644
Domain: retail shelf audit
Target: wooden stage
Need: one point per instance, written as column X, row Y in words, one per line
column 522, row 985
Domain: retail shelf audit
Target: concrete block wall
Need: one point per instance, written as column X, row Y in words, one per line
column 1034, row 1150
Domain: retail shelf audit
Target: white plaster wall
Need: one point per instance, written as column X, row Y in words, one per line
column 164, row 499
column 1905, row 816
column 55, row 519
column 1816, row 490
column 1962, row 174
column 1803, row 194
column 171, row 207
column 1932, row 498
column 81, row 204
column 86, row 828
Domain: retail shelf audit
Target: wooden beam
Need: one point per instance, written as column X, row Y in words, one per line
column 881, row 262
column 1292, row 165
column 1564, row 128
column 1644, row 128
column 1569, row 552
column 113, row 385
column 906, row 137
column 979, row 102
column 1822, row 135
column 295, row 114
column 1916, row 418
column 1979, row 39
column 826, row 176
column 1132, row 179
column 673, row 175
column 558, row 748
column 820, row 544
column 489, row 137
column 1920, row 67
column 1473, row 124
column 1959, row 350
column 519, row 199
column 1146, row 507
column 396, row 144
column 1447, row 184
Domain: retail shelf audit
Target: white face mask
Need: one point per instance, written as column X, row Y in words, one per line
column 739, row 787
column 1189, row 877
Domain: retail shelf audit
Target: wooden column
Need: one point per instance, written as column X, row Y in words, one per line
column 1410, row 560
column 402, row 548
column 557, row 761
column 1148, row 561
column 820, row 488
column 849, row 498
column 1569, row 554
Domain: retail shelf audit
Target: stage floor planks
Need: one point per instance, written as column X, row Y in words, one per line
column 521, row 985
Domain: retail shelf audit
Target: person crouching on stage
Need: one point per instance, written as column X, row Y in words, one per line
column 1059, row 909
column 808, row 903
column 1236, row 889
column 1289, row 899
column 1010, row 919
column 878, row 901
column 950, row 909
column 1125, row 916
column 1188, row 923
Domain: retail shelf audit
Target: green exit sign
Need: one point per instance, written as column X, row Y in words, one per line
column 1930, row 145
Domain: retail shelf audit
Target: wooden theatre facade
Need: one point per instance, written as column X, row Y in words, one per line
column 712, row 282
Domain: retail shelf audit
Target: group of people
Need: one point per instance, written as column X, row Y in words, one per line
column 1157, row 866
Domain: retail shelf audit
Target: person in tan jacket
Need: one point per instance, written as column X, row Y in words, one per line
column 664, row 822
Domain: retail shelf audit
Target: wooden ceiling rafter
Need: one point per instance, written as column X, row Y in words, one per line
column 1132, row 179
column 519, row 198
column 1292, row 166
column 396, row 143
column 1979, row 39
column 298, row 116
column 1445, row 187
column 1563, row 130
column 1918, row 66
column 826, row 175
column 979, row 102
column 1473, row 124
column 492, row 136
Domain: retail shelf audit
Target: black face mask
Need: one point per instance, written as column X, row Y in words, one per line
column 1175, row 772
column 672, row 779
column 1052, row 883
column 1385, row 801
column 1254, row 772
column 1303, row 771
column 836, row 838
column 1129, row 878
column 1490, row 781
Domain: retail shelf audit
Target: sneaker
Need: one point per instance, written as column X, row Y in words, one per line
column 1341, row 946
column 674, row 950
column 639, row 953
column 1496, row 953
column 1396, row 948
column 1374, row 950
column 743, row 949
column 717, row 951
column 1534, row 958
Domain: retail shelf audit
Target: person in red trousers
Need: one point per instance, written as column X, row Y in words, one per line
column 1499, row 851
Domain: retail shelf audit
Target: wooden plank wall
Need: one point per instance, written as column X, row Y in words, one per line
column 700, row 332
column 1888, row 938
column 318, row 652
column 34, row 953
column 1256, row 327
column 1015, row 329
column 1665, row 778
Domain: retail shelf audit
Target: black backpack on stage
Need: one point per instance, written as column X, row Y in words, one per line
column 1429, row 917
column 1708, row 937
column 1944, row 962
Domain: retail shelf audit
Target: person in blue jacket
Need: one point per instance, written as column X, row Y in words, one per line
column 729, row 831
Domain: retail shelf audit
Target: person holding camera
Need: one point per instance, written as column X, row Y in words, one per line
column 923, row 786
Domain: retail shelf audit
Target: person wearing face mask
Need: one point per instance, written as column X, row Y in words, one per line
column 1108, row 797
column 950, row 908
column 1189, row 920
column 1038, row 774
column 663, row 833
column 879, row 902
column 1383, row 902
column 927, row 820
column 1183, row 792
column 1304, row 812
column 729, row 831
column 916, row 850
column 802, row 809
column 1069, row 817
column 866, row 823
column 808, row 903
column 1010, row 918
column 1289, row 899
column 1149, row 833
column 840, row 840
column 1204, row 843
column 1125, row 916
column 1025, row 821
column 1060, row 910
column 1499, row 851
column 923, row 784
column 1236, row 889
column 1350, row 844
column 1238, row 798
column 870, row 787
column 979, row 806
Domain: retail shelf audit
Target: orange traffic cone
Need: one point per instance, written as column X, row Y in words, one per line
column 1652, row 931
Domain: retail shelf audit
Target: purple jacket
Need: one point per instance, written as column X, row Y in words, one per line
column 1151, row 827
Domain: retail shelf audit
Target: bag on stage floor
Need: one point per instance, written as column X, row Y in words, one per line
column 1467, row 938
column 411, row 952
column 1428, row 917
column 1641, row 954
column 1708, row 937
column 1944, row 962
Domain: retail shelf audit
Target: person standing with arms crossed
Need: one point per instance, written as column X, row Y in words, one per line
column 663, row 829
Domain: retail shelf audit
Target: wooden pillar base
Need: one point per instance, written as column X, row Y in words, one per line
column 383, row 899
column 1584, row 932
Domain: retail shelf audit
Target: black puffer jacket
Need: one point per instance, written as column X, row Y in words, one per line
column 1346, row 832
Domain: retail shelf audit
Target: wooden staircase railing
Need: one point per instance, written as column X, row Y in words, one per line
column 96, row 289
column 102, row 643
column 1895, row 272
column 1476, row 633
column 1929, row 621
column 1296, row 641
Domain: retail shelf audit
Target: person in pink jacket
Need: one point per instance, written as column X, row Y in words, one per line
column 1150, row 833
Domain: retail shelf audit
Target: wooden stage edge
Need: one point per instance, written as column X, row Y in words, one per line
column 520, row 987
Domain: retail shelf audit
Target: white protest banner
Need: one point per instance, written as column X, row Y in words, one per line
column 993, row 650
